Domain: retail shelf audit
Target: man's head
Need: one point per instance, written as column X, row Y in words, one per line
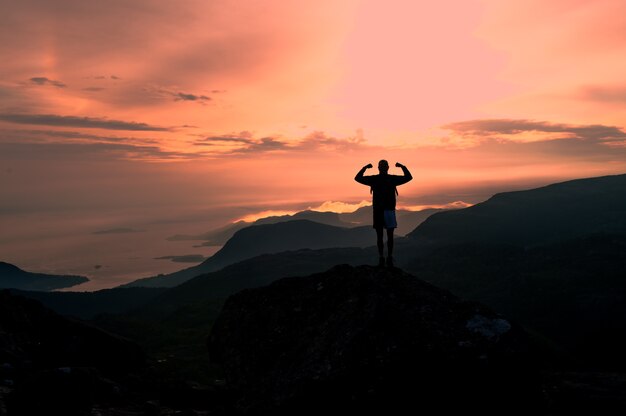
column 383, row 166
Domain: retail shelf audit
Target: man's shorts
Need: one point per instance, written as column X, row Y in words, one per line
column 385, row 218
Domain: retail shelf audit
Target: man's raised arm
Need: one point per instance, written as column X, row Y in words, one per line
column 407, row 175
column 359, row 176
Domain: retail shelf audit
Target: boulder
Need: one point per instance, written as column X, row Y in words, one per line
column 368, row 340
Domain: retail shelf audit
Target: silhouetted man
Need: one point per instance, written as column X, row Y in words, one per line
column 383, row 188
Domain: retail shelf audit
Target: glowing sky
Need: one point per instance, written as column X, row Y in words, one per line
column 114, row 112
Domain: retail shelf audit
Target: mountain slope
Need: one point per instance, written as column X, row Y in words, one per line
column 552, row 213
column 573, row 293
column 268, row 238
column 251, row 273
column 221, row 235
column 12, row 277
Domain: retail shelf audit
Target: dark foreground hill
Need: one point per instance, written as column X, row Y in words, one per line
column 87, row 305
column 556, row 212
column 53, row 365
column 265, row 239
column 367, row 340
column 15, row 278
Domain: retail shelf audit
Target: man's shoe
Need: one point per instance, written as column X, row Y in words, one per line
column 389, row 261
column 381, row 262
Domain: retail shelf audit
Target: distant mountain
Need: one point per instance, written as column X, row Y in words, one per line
column 220, row 235
column 215, row 237
column 12, row 277
column 268, row 238
column 407, row 221
column 328, row 218
column 552, row 213
column 362, row 216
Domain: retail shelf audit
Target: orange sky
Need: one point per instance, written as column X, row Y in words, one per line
column 154, row 108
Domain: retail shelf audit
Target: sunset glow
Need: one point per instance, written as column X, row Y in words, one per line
column 203, row 113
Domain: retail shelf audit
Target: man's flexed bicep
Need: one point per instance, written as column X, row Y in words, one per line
column 407, row 175
column 360, row 178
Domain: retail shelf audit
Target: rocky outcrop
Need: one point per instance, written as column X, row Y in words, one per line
column 366, row 340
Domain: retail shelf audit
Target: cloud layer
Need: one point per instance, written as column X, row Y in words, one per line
column 245, row 143
column 46, row 81
column 73, row 121
column 510, row 127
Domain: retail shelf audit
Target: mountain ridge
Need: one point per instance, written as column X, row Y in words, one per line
column 282, row 236
column 530, row 217
column 408, row 220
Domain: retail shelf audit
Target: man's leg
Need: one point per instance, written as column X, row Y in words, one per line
column 380, row 244
column 390, row 246
column 389, row 242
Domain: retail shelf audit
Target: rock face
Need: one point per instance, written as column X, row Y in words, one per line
column 373, row 341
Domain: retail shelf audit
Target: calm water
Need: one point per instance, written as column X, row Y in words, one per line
column 69, row 246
